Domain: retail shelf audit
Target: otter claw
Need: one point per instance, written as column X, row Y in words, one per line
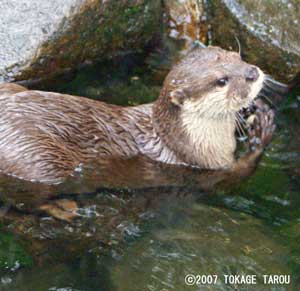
column 257, row 107
column 262, row 129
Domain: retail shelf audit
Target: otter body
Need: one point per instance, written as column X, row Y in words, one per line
column 46, row 136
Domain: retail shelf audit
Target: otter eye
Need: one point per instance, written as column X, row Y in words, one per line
column 222, row 82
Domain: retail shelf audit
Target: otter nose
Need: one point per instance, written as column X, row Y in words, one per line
column 252, row 74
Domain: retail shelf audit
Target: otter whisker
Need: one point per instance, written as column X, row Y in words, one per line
column 274, row 90
column 242, row 137
column 268, row 100
column 242, row 123
column 269, row 79
column 241, row 118
column 240, row 127
column 239, row 44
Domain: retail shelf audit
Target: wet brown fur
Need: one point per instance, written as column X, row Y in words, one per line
column 45, row 136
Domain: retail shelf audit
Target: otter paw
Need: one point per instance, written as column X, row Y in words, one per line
column 260, row 105
column 262, row 129
column 249, row 112
column 62, row 209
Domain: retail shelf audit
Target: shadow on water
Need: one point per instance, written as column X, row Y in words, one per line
column 142, row 225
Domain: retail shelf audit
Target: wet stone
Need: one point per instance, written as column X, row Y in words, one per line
column 268, row 32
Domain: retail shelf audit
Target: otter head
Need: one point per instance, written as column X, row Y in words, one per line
column 197, row 107
column 212, row 83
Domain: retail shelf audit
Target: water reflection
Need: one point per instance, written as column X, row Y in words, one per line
column 137, row 173
column 141, row 220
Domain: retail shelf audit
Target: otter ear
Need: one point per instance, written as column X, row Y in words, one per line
column 178, row 96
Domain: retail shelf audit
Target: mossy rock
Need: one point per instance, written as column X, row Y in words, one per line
column 83, row 32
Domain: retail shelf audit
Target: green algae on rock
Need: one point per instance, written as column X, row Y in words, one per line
column 12, row 254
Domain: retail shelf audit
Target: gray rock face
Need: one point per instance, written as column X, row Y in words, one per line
column 268, row 31
column 42, row 38
column 24, row 26
column 276, row 21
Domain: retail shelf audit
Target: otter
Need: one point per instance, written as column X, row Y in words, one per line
column 46, row 136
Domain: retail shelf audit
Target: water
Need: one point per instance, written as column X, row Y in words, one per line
column 146, row 226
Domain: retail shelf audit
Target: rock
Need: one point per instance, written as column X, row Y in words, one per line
column 45, row 38
column 268, row 31
column 186, row 20
column 185, row 24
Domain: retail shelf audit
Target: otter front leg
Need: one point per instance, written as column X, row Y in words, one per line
column 260, row 135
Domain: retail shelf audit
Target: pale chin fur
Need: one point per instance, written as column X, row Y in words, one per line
column 208, row 130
